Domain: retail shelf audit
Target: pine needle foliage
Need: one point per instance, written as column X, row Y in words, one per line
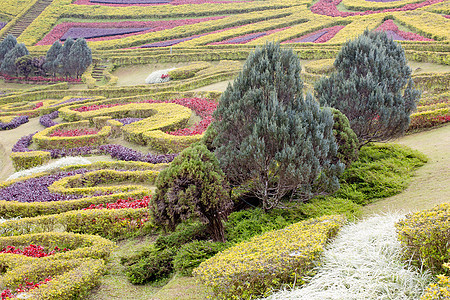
column 269, row 136
column 192, row 186
column 372, row 86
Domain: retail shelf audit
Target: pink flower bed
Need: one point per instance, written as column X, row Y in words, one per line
column 202, row 107
column 32, row 251
column 243, row 39
column 392, row 30
column 329, row 8
column 122, row 3
column 73, row 132
column 123, row 203
column 320, row 36
column 59, row 31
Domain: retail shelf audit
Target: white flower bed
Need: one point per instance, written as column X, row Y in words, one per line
column 364, row 262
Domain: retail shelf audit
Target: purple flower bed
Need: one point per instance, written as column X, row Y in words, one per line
column 169, row 42
column 123, row 153
column 47, row 120
column 394, row 35
column 126, row 121
column 247, row 37
column 2, row 24
column 320, row 36
column 36, row 189
column 115, row 151
column 69, row 101
column 310, row 38
column 93, row 32
column 131, row 1
column 16, row 122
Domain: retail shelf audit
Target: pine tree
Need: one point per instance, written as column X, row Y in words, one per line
column 372, row 86
column 52, row 53
column 80, row 57
column 6, row 45
column 62, row 60
column 9, row 62
column 192, row 186
column 269, row 137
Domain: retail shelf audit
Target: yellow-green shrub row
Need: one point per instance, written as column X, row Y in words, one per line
column 188, row 71
column 362, row 5
column 26, row 160
column 439, row 290
column 107, row 223
column 71, row 279
column 44, row 141
column 167, row 143
column 427, row 24
column 321, row 66
column 266, row 262
column 424, row 236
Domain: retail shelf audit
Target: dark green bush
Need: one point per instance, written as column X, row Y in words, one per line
column 345, row 138
column 183, row 234
column 156, row 265
column 192, row 254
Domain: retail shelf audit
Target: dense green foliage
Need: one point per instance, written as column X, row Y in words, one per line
column 345, row 138
column 272, row 138
column 193, row 186
column 50, row 65
column 184, row 233
column 8, row 65
column 6, row 45
column 372, row 86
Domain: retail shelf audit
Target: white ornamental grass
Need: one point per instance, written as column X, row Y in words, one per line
column 155, row 77
column 363, row 263
column 62, row 162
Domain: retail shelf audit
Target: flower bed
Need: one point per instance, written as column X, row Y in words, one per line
column 16, row 122
column 38, row 79
column 2, row 24
column 123, row 3
column 392, row 31
column 329, row 8
column 113, row 30
column 320, row 36
column 32, row 250
column 123, row 203
column 248, row 37
column 23, row 288
column 47, row 120
column 74, row 132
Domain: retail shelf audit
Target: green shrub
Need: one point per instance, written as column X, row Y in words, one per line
column 156, row 265
column 425, row 237
column 184, row 233
column 439, row 290
column 345, row 138
column 268, row 261
column 190, row 255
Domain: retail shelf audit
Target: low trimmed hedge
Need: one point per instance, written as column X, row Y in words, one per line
column 425, row 237
column 268, row 261
column 167, row 143
column 188, row 71
column 321, row 66
column 26, row 160
column 107, row 223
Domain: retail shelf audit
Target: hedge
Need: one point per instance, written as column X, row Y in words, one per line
column 26, row 160
column 424, row 236
column 167, row 143
column 268, row 261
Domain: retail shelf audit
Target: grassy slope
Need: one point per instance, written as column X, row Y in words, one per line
column 431, row 183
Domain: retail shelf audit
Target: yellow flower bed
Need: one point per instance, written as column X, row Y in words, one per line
column 267, row 261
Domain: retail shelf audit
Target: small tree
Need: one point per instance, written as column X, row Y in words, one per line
column 80, row 57
column 52, row 54
column 269, row 137
column 345, row 138
column 372, row 86
column 9, row 62
column 7, row 45
column 192, row 186
column 24, row 65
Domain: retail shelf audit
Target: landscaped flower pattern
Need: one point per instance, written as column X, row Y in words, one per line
column 16, row 122
column 392, row 31
column 32, row 251
column 113, row 30
column 320, row 36
column 248, row 37
column 124, row 3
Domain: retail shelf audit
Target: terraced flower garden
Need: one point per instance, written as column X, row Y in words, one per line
column 80, row 162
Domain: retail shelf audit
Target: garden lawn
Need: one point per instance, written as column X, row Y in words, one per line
column 431, row 183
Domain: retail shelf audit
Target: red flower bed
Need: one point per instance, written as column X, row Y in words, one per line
column 39, row 104
column 96, row 107
column 32, row 251
column 59, row 30
column 389, row 26
column 73, row 132
column 329, row 8
column 123, row 203
column 29, row 285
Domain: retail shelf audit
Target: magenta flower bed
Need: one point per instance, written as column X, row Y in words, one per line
column 392, row 31
column 148, row 2
column 92, row 29
column 329, row 8
column 320, row 36
column 248, row 37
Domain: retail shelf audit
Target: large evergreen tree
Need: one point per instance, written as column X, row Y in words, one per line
column 9, row 62
column 52, row 54
column 80, row 57
column 372, row 86
column 269, row 137
column 62, row 60
column 6, row 45
column 192, row 186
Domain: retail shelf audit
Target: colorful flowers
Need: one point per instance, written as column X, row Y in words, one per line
column 123, row 203
column 16, row 122
column 392, row 31
column 74, row 132
column 32, row 251
column 320, row 36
